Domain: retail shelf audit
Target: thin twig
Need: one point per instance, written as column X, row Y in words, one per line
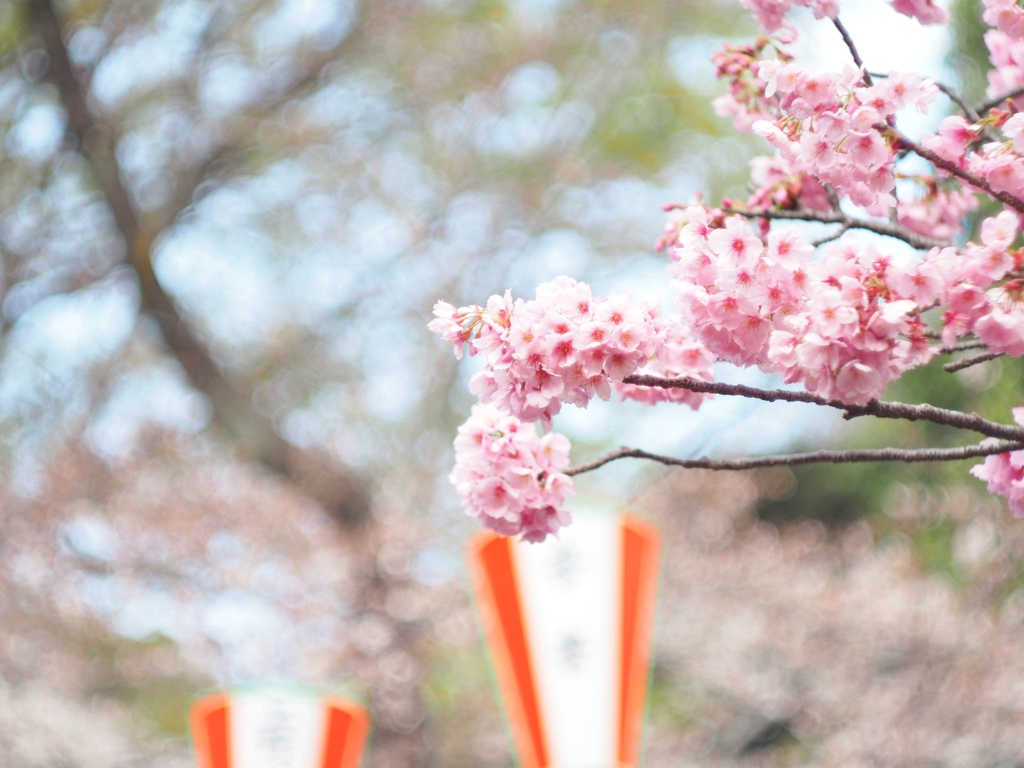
column 833, row 197
column 969, row 112
column 957, row 99
column 993, row 103
column 876, row 408
column 849, row 222
column 967, row 362
column 853, row 51
column 814, row 457
column 962, row 346
column 835, row 236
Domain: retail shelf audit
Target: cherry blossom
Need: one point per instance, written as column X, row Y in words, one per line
column 509, row 477
column 565, row 346
column 1004, row 473
column 1006, row 15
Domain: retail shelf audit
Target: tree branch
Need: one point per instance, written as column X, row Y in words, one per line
column 876, row 408
column 957, row 99
column 341, row 491
column 814, row 457
column 853, row 51
column 991, row 104
column 962, row 346
column 233, row 407
column 834, row 236
column 849, row 222
column 240, row 130
column 967, row 362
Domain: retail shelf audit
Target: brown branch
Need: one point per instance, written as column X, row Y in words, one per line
column 814, row 457
column 967, row 362
column 961, row 173
column 834, row 236
column 876, row 408
column 853, row 51
column 959, row 100
column 962, row 346
column 849, row 222
column 991, row 104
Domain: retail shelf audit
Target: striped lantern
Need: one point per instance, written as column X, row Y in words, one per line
column 272, row 727
column 568, row 624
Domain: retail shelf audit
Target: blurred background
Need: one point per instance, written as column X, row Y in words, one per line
column 225, row 430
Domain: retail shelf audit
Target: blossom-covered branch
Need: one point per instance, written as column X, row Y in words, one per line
column 842, row 317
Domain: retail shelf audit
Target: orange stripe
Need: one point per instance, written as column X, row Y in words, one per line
column 211, row 731
column 494, row 581
column 640, row 545
column 345, row 737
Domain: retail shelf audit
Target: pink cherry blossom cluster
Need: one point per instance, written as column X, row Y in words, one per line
column 770, row 13
column 746, row 101
column 778, row 186
column 509, row 477
column 565, row 346
column 680, row 356
column 1005, row 15
column 940, row 210
column 981, row 287
column 1004, row 473
column 844, row 324
column 829, row 127
column 1006, row 54
column 825, row 125
column 848, row 322
column 999, row 162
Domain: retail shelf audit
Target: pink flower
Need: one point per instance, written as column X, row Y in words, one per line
column 1014, row 130
column 509, row 477
column 1002, row 331
column 1006, row 15
column 955, row 135
column 1004, row 172
column 999, row 232
column 565, row 346
column 925, row 11
column 736, row 242
column 858, row 382
column 679, row 356
column 1007, row 53
column 1004, row 472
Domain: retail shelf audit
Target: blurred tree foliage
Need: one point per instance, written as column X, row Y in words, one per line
column 225, row 429
column 222, row 226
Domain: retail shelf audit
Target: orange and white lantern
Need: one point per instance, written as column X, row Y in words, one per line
column 569, row 623
column 271, row 727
